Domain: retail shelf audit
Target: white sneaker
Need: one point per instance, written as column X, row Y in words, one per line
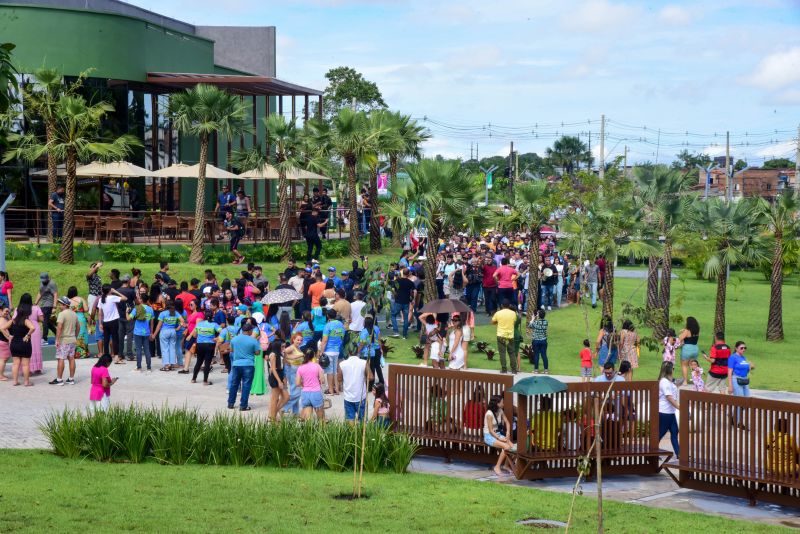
column 549, row 308
column 70, row 382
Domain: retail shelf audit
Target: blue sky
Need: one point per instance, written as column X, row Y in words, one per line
column 691, row 69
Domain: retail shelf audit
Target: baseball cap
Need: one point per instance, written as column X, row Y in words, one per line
column 331, row 269
column 44, row 276
column 241, row 308
column 125, row 278
column 308, row 269
column 65, row 301
column 345, row 273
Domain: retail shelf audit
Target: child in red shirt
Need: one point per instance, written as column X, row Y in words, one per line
column 586, row 362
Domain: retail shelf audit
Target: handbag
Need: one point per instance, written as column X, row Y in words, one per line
column 225, row 348
column 742, row 381
column 324, row 361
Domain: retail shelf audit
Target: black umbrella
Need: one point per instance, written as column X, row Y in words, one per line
column 280, row 296
column 445, row 306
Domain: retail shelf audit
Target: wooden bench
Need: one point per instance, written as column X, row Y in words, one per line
column 719, row 457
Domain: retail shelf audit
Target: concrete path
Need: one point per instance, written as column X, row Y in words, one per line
column 23, row 408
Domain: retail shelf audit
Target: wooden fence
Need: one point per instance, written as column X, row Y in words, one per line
column 556, row 431
column 445, row 409
column 740, row 446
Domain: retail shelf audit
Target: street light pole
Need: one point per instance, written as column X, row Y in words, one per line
column 486, row 174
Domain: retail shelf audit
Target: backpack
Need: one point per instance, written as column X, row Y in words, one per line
column 240, row 232
column 458, row 279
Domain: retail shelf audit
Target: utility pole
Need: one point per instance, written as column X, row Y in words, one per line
column 477, row 154
column 470, row 150
column 511, row 170
column 797, row 160
column 589, row 166
column 625, row 163
column 728, row 165
column 602, row 146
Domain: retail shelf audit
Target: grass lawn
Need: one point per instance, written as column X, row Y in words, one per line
column 747, row 307
column 45, row 493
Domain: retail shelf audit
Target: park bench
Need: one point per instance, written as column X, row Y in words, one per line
column 629, row 433
column 739, row 446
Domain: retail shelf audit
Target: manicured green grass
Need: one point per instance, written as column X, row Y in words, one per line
column 747, row 307
column 44, row 493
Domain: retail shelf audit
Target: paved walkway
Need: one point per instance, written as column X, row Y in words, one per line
column 23, row 408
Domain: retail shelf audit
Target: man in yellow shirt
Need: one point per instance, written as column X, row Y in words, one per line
column 505, row 320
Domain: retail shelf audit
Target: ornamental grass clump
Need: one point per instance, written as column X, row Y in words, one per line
column 307, row 447
column 402, row 448
column 64, row 430
column 337, row 443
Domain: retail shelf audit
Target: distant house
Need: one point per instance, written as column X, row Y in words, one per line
column 749, row 182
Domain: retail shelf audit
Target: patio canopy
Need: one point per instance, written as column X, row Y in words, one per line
column 236, row 84
column 267, row 173
column 302, row 174
column 184, row 170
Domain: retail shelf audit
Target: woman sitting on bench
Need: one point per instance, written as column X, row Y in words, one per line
column 493, row 438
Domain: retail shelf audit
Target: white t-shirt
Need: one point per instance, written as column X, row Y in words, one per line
column 666, row 387
column 356, row 319
column 109, row 308
column 354, row 379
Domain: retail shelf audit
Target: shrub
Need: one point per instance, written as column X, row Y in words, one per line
column 337, row 445
column 402, row 448
column 307, row 445
column 99, row 436
column 375, row 447
column 64, row 430
column 281, row 441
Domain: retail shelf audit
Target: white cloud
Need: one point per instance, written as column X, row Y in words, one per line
column 600, row 16
column 675, row 15
column 777, row 70
column 778, row 150
column 714, row 150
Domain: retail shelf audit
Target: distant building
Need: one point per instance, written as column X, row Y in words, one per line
column 765, row 183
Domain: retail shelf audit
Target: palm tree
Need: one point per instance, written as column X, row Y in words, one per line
column 386, row 126
column 76, row 137
column 782, row 218
column 41, row 103
column 663, row 193
column 284, row 136
column 568, row 153
column 444, row 197
column 731, row 231
column 349, row 138
column 411, row 136
column 202, row 111
column 533, row 201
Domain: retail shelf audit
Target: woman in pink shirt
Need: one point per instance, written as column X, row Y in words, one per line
column 100, row 392
column 192, row 318
column 310, row 377
column 505, row 276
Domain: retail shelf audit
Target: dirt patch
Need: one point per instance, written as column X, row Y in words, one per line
column 534, row 522
column 350, row 497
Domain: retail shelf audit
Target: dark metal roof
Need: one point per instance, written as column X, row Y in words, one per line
column 240, row 85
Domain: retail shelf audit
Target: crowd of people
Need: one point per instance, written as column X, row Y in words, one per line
column 327, row 340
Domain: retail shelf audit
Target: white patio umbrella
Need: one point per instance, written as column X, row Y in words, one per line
column 302, row 174
column 184, row 170
column 114, row 169
column 267, row 173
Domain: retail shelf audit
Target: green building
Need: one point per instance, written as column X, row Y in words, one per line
column 137, row 58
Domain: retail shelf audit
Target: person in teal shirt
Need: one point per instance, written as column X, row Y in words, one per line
column 369, row 347
column 331, row 346
column 305, row 329
column 243, row 361
column 142, row 314
column 319, row 320
column 169, row 321
column 206, row 332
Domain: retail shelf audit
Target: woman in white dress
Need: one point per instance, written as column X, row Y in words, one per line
column 454, row 343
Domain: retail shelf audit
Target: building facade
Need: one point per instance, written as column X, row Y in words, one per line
column 749, row 182
column 135, row 59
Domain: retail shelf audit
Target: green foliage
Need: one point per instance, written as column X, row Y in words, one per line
column 8, row 80
column 690, row 160
column 178, row 436
column 568, row 153
column 778, row 163
column 345, row 85
column 138, row 254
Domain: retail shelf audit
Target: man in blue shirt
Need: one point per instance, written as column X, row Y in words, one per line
column 609, row 374
column 243, row 366
column 331, row 346
column 226, row 202
column 143, row 315
column 348, row 284
column 337, row 282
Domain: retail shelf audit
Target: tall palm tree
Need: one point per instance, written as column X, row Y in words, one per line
column 568, row 153
column 782, row 218
column 384, row 125
column 285, row 137
column 663, row 194
column 76, row 137
column 533, row 201
column 731, row 232
column 411, row 136
column 41, row 103
column 349, row 138
column 202, row 111
column 444, row 197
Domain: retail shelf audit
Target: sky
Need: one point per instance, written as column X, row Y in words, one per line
column 483, row 73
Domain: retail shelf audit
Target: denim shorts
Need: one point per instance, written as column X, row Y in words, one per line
column 311, row 398
column 354, row 410
column 490, row 439
column 689, row 352
column 334, row 358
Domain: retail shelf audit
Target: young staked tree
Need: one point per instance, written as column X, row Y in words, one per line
column 445, row 197
column 732, row 235
column 76, row 137
column 664, row 196
column 781, row 216
column 202, row 111
column 284, row 137
column 348, row 138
